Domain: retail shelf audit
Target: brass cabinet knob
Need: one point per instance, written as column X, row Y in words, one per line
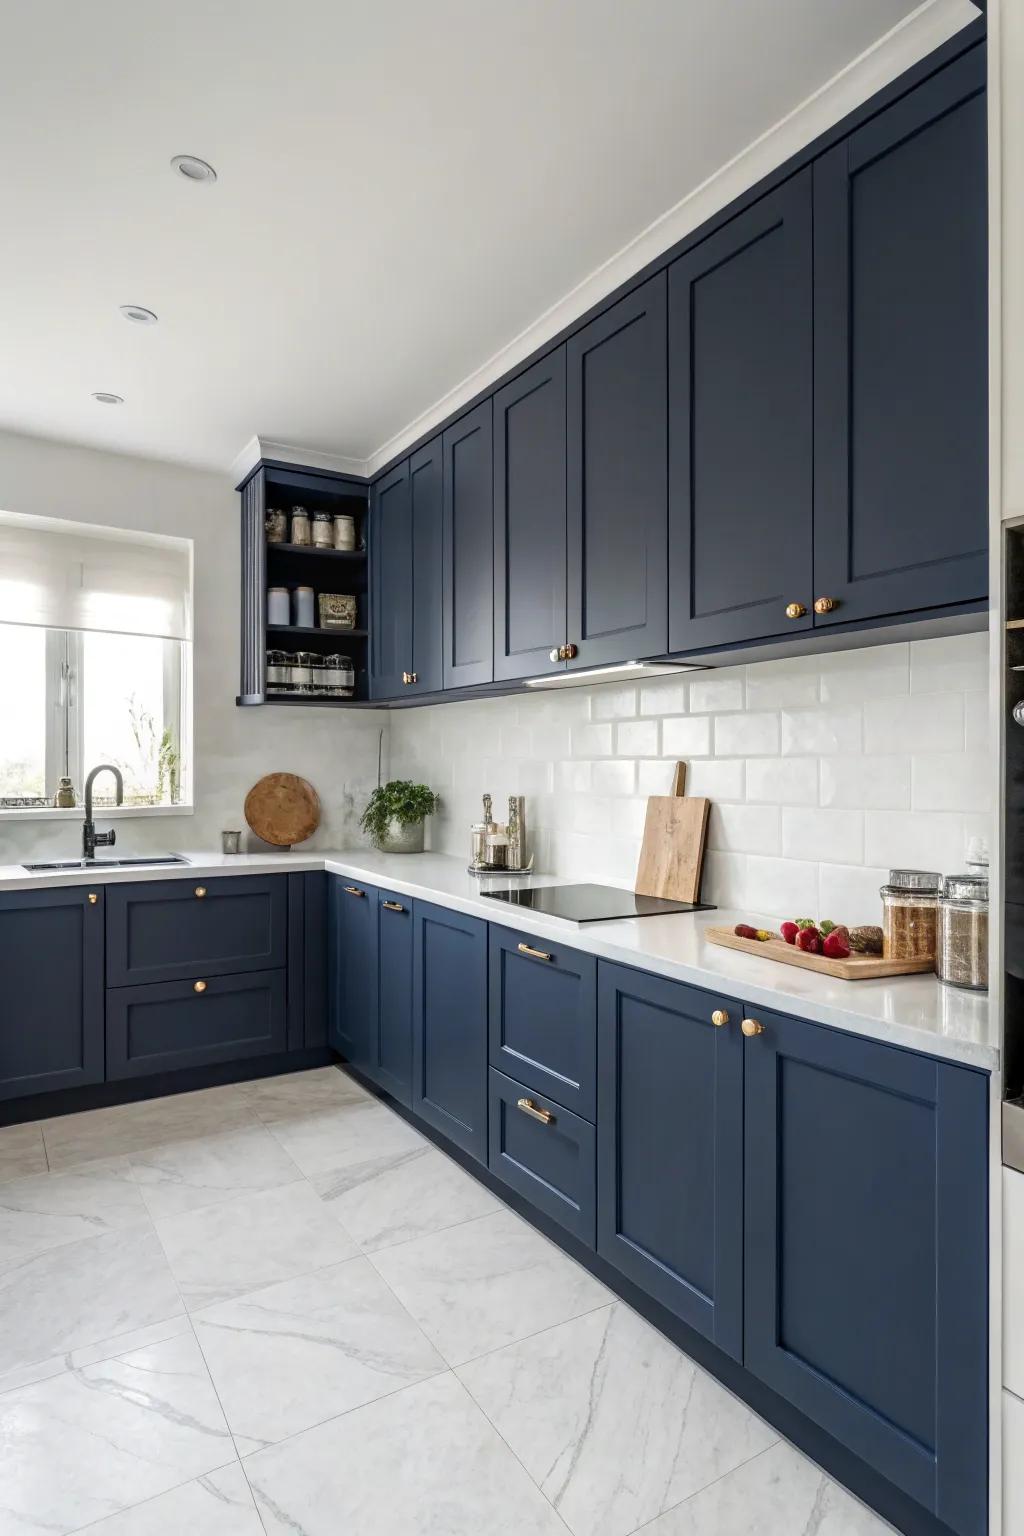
column 528, row 1107
column 199, row 986
column 410, row 677
column 571, row 651
column 93, row 898
column 200, row 891
column 795, row 611
column 719, row 1017
column 555, row 653
column 752, row 1027
column 825, row 604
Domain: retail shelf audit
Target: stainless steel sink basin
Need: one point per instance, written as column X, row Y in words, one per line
column 163, row 858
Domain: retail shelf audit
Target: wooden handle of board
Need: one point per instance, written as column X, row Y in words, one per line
column 679, row 781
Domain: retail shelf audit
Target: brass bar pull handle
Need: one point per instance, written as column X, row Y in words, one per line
column 393, row 906
column 353, row 890
column 528, row 1107
column 199, row 986
column 534, row 954
column 200, row 891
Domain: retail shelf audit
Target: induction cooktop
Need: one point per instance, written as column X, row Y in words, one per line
column 593, row 903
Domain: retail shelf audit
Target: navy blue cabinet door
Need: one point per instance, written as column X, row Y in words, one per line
column 741, row 426
column 352, row 971
column 545, row 1152
column 468, row 550
column 449, row 1088
column 174, row 1024
column 392, row 560
column 669, row 1146
column 425, row 480
column 529, row 521
column 170, row 930
column 51, row 972
column 392, row 1069
column 866, row 1281
column 543, row 1017
column 900, row 294
column 617, row 404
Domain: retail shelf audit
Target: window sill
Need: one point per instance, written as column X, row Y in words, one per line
column 100, row 812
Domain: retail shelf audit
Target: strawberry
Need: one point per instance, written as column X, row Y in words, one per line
column 836, row 945
column 809, row 940
column 789, row 932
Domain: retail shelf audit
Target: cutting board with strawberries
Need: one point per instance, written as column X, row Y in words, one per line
column 853, row 968
column 675, row 833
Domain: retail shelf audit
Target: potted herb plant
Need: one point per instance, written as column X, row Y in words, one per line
column 395, row 815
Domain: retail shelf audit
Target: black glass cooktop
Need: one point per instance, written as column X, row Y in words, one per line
column 593, row 903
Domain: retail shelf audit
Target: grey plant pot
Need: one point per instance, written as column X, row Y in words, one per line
column 400, row 839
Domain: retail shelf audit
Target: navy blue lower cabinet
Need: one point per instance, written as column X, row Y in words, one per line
column 543, row 1024
column 449, row 1025
column 51, row 973
column 866, row 1279
column 174, row 1024
column 392, row 1068
column 352, row 976
column 170, row 930
column 670, row 1146
column 545, row 1153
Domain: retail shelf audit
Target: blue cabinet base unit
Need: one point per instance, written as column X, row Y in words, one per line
column 173, row 1024
column 392, row 1067
column 352, row 970
column 545, row 1152
column 449, row 1025
column 170, row 930
column 542, row 1017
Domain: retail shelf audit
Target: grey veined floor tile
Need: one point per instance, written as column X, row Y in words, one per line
column 125, row 1128
column 188, row 1175
column 51, row 1209
column 21, row 1151
column 414, row 1192
column 217, row 1504
column 303, row 1093
column 360, row 1133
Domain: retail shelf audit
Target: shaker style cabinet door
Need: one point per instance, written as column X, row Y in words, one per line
column 866, row 1268
column 449, row 1025
column 616, row 382
column 468, row 550
column 391, row 1068
column 529, row 521
column 425, row 476
column 900, row 295
column 392, row 559
column 352, row 975
column 741, row 427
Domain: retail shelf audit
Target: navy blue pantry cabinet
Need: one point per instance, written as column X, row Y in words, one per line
column 449, row 1019
column 353, row 998
column 900, row 316
column 670, row 1146
column 543, row 1017
column 741, row 413
column 172, row 930
column 51, row 972
column 529, row 521
column 406, row 577
column 866, row 1279
column 468, row 550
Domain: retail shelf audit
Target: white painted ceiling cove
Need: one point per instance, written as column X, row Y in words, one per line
column 404, row 188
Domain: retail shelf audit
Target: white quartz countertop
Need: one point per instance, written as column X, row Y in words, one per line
column 917, row 1012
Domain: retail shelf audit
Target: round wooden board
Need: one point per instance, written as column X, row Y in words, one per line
column 282, row 809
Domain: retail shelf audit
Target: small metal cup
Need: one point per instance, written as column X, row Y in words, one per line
column 231, row 842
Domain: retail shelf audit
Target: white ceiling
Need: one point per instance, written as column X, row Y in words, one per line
column 403, row 188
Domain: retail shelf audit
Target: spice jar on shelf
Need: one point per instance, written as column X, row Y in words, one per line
column 323, row 530
column 909, row 914
column 301, row 533
column 962, row 956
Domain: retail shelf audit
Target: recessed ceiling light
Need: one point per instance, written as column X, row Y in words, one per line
column 105, row 398
column 137, row 313
column 193, row 169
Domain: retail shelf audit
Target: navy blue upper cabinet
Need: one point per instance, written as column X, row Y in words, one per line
column 529, row 521
column 468, row 550
column 392, row 1067
column 449, row 1025
column 617, row 403
column 51, row 965
column 900, row 294
column 392, row 560
column 352, row 1006
column 866, row 1278
column 670, row 1146
column 741, row 426
column 425, row 477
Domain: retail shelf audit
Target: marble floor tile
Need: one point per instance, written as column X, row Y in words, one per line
column 303, row 1093
column 187, row 1175
column 487, row 1283
column 126, row 1128
column 359, row 1132
column 66, row 1298
column 242, row 1245
column 779, row 1493
column 218, row 1504
column 298, row 1353
column 50, row 1209
column 89, row 1354
column 613, row 1422
column 21, row 1151
column 424, row 1462
column 409, row 1194
column 89, row 1442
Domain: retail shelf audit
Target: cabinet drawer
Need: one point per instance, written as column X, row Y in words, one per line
column 169, row 1024
column 543, row 1017
column 167, row 930
column 544, row 1152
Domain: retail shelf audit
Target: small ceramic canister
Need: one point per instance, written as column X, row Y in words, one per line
column 323, row 530
column 277, row 606
column 302, row 607
column 300, row 526
column 344, row 530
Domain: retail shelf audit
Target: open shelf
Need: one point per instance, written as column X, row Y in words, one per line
column 324, row 634
column 354, row 556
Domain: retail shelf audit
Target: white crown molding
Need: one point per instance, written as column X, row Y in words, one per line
column 311, row 458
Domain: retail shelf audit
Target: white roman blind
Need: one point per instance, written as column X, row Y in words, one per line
column 56, row 574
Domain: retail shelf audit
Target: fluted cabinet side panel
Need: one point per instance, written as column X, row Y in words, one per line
column 254, row 592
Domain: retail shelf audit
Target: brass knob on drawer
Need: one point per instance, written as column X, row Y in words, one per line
column 825, row 604
column 795, row 610
column 719, row 1017
column 571, row 651
column 200, row 891
column 93, row 898
column 528, row 1107
column 752, row 1027
column 199, row 986
column 410, row 677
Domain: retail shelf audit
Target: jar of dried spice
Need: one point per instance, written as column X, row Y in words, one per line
column 962, row 956
column 909, row 914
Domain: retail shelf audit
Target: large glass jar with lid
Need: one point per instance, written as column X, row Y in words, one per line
column 962, row 956
column 909, row 914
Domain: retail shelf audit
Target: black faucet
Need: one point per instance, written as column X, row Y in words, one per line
column 91, row 839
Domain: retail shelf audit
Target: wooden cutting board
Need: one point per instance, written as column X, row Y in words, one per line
column 856, row 968
column 675, row 834
column 282, row 809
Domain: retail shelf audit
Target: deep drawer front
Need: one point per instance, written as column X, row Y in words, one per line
column 167, row 930
column 173, row 1024
column 544, row 1152
column 543, row 1017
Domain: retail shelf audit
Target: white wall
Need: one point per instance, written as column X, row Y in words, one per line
column 824, row 771
column 335, row 750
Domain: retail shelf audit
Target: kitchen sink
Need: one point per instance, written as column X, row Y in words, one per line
column 161, row 858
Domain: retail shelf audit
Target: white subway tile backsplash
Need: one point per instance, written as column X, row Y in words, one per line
column 771, row 684
column 613, row 703
column 821, row 731
column 950, row 663
column 868, row 783
column 573, row 778
column 853, row 676
column 614, row 776
column 718, row 778
column 781, row 887
column 833, row 837
column 743, row 735
column 952, row 782
column 637, row 738
column 977, row 721
column 686, row 736
column 744, row 828
column 725, row 879
column 716, row 692
column 920, row 840
column 849, row 893
column 926, row 722
column 783, row 780
column 663, row 696
column 656, row 778
column 592, row 740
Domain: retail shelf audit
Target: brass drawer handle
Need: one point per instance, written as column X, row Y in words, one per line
column 93, row 898
column 200, row 891
column 393, row 906
column 719, row 1017
column 752, row 1027
column 528, row 1107
column 534, row 954
column 353, row 890
column 199, row 986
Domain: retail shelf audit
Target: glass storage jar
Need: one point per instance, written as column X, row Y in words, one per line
column 300, row 526
column 962, row 956
column 279, row 672
column 323, row 530
column 339, row 678
column 909, row 914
